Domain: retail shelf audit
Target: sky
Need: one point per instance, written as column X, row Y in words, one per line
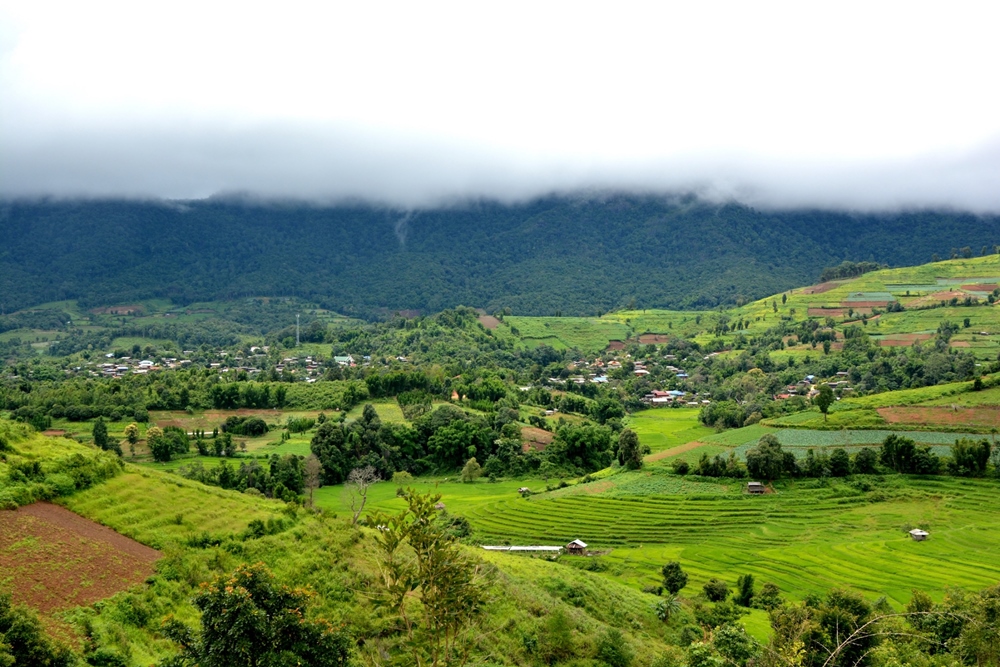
column 848, row 105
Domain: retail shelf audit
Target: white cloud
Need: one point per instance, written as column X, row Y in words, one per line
column 853, row 104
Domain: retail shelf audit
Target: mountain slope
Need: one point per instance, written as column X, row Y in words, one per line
column 574, row 256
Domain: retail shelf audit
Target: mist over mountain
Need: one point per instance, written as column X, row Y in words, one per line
column 560, row 254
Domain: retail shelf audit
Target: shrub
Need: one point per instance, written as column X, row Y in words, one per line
column 614, row 650
column 681, row 467
column 716, row 590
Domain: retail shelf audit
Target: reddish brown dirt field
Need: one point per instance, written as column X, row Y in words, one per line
column 616, row 345
column 489, row 321
column 53, row 559
column 942, row 415
column 960, row 343
column 836, row 312
column 212, row 418
column 819, row 289
column 979, row 287
column 54, row 433
column 535, row 438
column 654, row 339
column 903, row 340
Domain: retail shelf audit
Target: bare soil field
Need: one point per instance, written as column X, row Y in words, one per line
column 819, row 289
column 616, row 345
column 942, row 415
column 489, row 321
column 903, row 340
column 52, row 559
column 980, row 287
column 213, row 418
column 535, row 438
column 655, row 339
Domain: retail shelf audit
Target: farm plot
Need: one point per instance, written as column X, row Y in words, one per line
column 799, row 441
column 665, row 428
column 53, row 559
column 805, row 538
column 988, row 417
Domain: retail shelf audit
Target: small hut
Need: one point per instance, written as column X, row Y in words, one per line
column 576, row 548
column 919, row 535
column 755, row 488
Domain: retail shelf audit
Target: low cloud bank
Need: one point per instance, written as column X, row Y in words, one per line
column 331, row 165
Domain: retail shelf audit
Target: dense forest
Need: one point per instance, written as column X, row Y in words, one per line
column 549, row 256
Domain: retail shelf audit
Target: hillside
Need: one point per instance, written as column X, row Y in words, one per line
column 549, row 256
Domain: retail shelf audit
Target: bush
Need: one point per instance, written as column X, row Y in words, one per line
column 614, row 650
column 681, row 467
column 716, row 590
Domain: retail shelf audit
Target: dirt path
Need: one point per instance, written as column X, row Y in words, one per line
column 674, row 451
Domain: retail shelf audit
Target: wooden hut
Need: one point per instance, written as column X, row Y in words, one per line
column 576, row 548
column 919, row 535
column 755, row 487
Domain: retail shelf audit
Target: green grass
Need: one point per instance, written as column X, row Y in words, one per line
column 588, row 334
column 806, row 540
column 665, row 428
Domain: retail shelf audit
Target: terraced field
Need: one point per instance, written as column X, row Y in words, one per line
column 806, row 538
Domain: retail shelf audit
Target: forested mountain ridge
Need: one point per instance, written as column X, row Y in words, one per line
column 551, row 255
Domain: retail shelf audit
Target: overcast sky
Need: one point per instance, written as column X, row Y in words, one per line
column 850, row 104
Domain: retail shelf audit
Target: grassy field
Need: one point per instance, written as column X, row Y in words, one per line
column 666, row 428
column 335, row 560
column 588, row 334
column 807, row 538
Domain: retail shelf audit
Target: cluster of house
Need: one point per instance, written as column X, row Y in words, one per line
column 809, row 387
column 126, row 365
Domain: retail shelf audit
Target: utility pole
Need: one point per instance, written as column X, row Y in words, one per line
column 296, row 330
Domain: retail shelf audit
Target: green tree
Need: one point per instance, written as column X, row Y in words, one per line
column 824, row 399
column 248, row 619
column 674, row 578
column 744, row 590
column 159, row 445
column 840, row 463
column 472, row 471
column 420, row 561
column 23, row 640
column 716, row 590
column 100, row 433
column 629, row 449
column 766, row 460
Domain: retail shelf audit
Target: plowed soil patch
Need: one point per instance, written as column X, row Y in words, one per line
column 489, row 321
column 819, row 289
column 979, row 287
column 535, row 438
column 903, row 340
column 654, row 339
column 616, row 345
column 940, row 415
column 52, row 559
